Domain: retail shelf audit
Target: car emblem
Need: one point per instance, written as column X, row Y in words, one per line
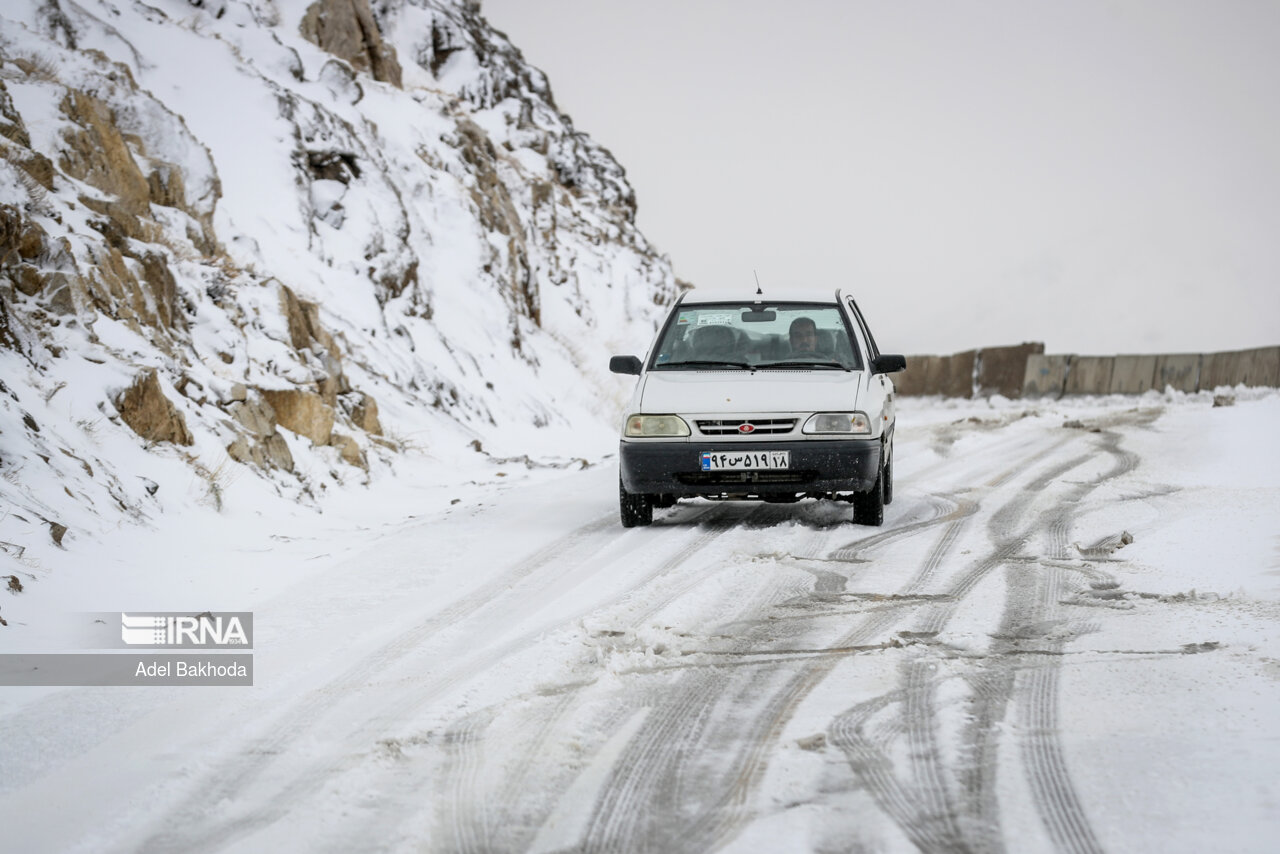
column 746, row 428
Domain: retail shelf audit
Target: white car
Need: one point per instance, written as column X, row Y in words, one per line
column 748, row 397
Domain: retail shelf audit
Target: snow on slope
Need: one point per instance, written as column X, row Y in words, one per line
column 326, row 271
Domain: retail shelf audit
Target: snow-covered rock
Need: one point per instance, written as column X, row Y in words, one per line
column 297, row 237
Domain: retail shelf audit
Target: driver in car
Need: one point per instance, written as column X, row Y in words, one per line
column 804, row 337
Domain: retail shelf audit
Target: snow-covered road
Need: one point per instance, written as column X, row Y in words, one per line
column 1066, row 637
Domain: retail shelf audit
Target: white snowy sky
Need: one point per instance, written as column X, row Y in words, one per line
column 1100, row 176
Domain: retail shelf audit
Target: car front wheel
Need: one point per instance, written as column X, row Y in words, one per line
column 888, row 480
column 635, row 509
column 868, row 507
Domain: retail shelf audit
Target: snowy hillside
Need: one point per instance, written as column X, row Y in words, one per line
column 291, row 244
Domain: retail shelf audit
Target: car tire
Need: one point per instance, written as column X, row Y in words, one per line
column 868, row 507
column 887, row 475
column 635, row 509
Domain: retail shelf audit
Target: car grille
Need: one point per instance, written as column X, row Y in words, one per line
column 759, row 426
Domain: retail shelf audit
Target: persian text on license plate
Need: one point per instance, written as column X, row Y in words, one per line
column 745, row 460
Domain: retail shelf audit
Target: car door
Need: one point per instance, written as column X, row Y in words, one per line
column 880, row 402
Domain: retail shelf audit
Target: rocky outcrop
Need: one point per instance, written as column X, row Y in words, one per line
column 497, row 213
column 8, row 336
column 144, row 407
column 347, row 29
column 97, row 154
column 303, row 319
column 35, row 265
column 303, row 412
column 118, row 269
column 106, row 146
column 349, row 451
column 15, row 143
column 263, row 446
column 11, row 125
column 363, row 412
column 456, row 35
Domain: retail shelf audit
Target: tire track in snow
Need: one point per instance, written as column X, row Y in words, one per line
column 639, row 790
column 722, row 819
column 1037, row 688
column 1031, row 604
column 716, row 821
column 933, row 823
column 462, row 740
column 648, row 781
column 937, row 819
column 464, row 748
column 866, row 744
column 717, row 826
column 187, row 825
column 1031, row 601
column 723, row 518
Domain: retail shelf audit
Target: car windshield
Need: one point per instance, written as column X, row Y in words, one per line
column 737, row 336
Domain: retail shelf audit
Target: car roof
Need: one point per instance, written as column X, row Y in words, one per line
column 770, row 295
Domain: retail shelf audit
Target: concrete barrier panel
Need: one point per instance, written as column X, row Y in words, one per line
column 915, row 379
column 1263, row 368
column 934, row 372
column 1001, row 370
column 1220, row 369
column 1046, row 376
column 1090, row 375
column 1259, row 367
column 1178, row 371
column 949, row 376
column 1132, row 374
column 957, row 379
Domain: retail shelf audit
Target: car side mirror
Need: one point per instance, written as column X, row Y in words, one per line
column 889, row 364
column 626, row 365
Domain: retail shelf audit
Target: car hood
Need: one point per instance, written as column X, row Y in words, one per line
column 747, row 391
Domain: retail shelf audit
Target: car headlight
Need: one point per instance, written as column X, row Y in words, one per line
column 855, row 423
column 656, row 425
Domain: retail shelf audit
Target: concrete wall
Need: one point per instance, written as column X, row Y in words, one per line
column 919, row 376
column 1003, row 370
column 1025, row 371
column 1046, row 375
column 956, row 378
column 1251, row 367
column 950, row 376
column 1179, row 371
column 1133, row 374
column 1090, row 375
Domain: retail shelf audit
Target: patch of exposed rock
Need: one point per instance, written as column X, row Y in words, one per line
column 144, row 407
column 262, row 445
column 347, row 29
column 304, row 412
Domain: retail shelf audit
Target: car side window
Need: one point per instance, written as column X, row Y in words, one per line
column 872, row 350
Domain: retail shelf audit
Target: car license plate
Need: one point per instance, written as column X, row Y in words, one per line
column 745, row 460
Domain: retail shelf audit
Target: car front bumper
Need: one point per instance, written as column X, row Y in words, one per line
column 817, row 466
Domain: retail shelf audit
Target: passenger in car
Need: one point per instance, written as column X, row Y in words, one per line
column 804, row 337
column 714, row 342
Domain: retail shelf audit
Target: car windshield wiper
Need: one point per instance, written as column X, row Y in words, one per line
column 805, row 363
column 704, row 363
